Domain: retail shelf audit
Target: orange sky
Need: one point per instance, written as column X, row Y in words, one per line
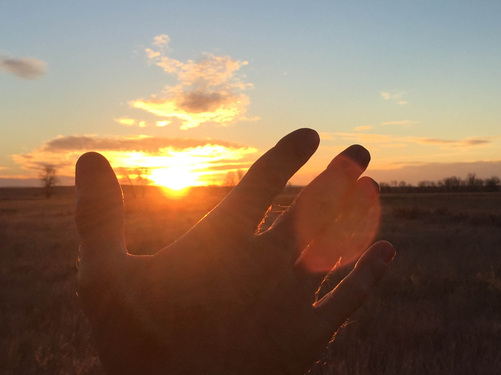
column 193, row 98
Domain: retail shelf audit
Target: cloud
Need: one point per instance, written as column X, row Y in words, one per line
column 26, row 67
column 386, row 95
column 399, row 122
column 363, row 127
column 138, row 143
column 163, row 123
column 209, row 158
column 364, row 138
column 466, row 142
column 126, row 121
column 208, row 90
column 161, row 40
column 394, row 96
column 386, row 140
column 326, row 136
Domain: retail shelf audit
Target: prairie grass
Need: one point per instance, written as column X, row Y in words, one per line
column 437, row 311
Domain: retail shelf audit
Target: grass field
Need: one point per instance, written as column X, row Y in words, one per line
column 437, row 311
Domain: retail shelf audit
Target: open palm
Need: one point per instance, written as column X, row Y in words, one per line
column 224, row 299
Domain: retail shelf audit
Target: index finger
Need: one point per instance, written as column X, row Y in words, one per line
column 249, row 200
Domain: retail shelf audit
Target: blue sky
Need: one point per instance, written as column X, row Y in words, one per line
column 416, row 82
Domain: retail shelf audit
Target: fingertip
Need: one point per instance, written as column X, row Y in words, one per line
column 366, row 188
column 386, row 251
column 305, row 141
column 311, row 139
column 89, row 156
column 88, row 164
column 382, row 250
column 370, row 181
column 358, row 154
column 352, row 291
column 376, row 260
column 94, row 171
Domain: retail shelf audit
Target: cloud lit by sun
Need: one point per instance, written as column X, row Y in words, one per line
column 175, row 163
column 177, row 169
column 210, row 90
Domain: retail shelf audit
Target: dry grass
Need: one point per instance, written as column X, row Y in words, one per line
column 436, row 312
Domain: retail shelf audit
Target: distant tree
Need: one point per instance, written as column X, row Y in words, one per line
column 423, row 184
column 450, row 183
column 137, row 178
column 471, row 179
column 492, row 184
column 473, row 182
column 427, row 185
column 48, row 177
column 233, row 178
column 384, row 187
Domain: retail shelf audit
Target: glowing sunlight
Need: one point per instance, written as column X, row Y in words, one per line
column 175, row 178
column 178, row 169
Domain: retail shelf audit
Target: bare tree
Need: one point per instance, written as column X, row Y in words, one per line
column 49, row 179
column 449, row 184
column 137, row 178
column 492, row 184
column 473, row 183
column 233, row 178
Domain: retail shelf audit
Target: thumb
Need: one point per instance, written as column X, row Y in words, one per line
column 99, row 207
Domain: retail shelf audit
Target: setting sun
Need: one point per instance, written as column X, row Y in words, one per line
column 175, row 178
column 178, row 168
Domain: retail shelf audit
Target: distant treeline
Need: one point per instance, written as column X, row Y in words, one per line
column 471, row 183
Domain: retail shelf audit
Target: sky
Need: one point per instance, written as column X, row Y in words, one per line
column 193, row 90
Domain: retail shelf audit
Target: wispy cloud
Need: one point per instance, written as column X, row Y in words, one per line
column 126, row 121
column 137, row 143
column 25, row 67
column 209, row 90
column 465, row 142
column 210, row 158
column 388, row 140
column 363, row 128
column 399, row 123
column 162, row 123
column 394, row 96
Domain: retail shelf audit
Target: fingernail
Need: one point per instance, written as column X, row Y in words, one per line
column 358, row 154
column 387, row 252
column 311, row 139
column 309, row 142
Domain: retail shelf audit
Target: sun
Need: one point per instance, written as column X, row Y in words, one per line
column 178, row 169
column 174, row 178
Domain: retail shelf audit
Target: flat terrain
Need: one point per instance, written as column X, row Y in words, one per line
column 437, row 311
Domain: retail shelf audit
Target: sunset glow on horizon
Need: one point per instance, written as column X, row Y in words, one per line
column 176, row 170
column 191, row 92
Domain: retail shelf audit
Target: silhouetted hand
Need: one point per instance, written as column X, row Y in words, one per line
column 223, row 299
